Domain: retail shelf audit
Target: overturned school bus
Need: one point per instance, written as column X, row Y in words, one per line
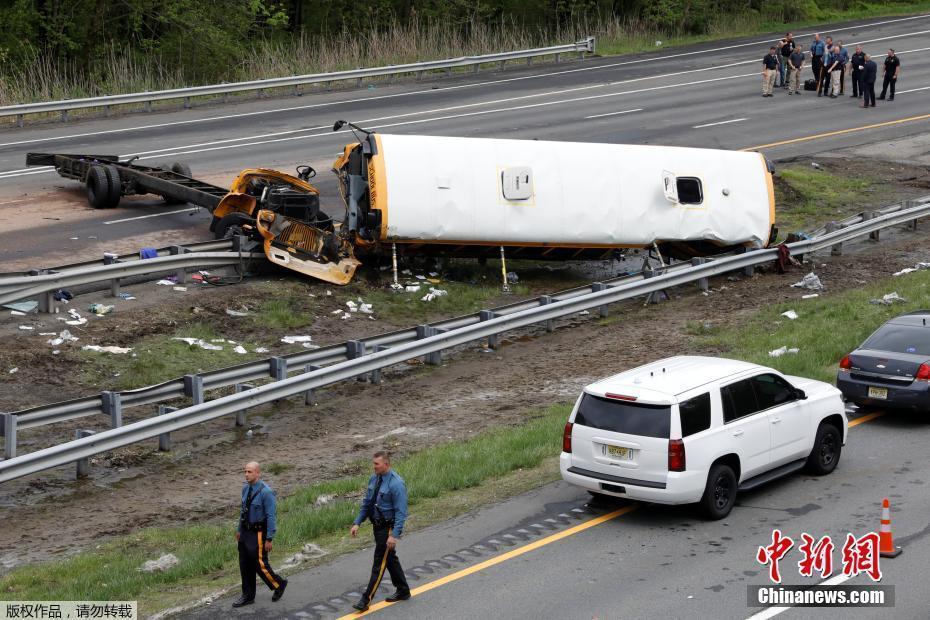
column 488, row 197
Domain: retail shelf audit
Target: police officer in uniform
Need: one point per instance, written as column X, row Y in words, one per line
column 257, row 527
column 844, row 60
column 869, row 73
column 784, row 67
column 856, row 63
column 890, row 74
column 385, row 504
column 817, row 58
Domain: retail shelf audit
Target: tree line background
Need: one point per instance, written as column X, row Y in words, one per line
column 64, row 48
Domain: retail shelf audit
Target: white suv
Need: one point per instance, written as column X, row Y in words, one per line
column 697, row 429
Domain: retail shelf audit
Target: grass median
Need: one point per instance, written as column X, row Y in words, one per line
column 443, row 481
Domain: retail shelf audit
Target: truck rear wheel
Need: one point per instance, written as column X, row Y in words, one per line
column 115, row 186
column 231, row 224
column 98, row 188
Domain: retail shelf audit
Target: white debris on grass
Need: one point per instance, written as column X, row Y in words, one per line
column 240, row 349
column 917, row 267
column 243, row 312
column 64, row 336
column 329, row 293
column 14, row 370
column 782, row 351
column 260, row 350
column 180, row 289
column 218, row 340
column 365, row 309
column 100, row 349
column 310, row 551
column 346, row 315
column 352, row 306
column 888, row 300
column 169, row 560
column 791, row 314
column 811, row 296
column 197, row 342
column 810, row 282
column 76, row 318
column 434, row 293
column 26, row 328
column 413, row 288
column 166, row 283
column 296, row 339
column 17, row 313
column 309, row 345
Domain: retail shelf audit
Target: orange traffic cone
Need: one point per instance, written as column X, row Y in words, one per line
column 886, row 546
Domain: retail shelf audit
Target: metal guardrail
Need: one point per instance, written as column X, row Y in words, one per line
column 43, row 284
column 582, row 47
column 431, row 343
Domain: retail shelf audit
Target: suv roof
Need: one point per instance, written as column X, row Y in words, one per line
column 661, row 381
column 919, row 318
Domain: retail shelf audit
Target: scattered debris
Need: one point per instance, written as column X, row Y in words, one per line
column 310, row 551
column 420, row 277
column 169, row 560
column 179, row 288
column 14, row 370
column 329, row 293
column 26, row 328
column 365, row 308
column 64, row 336
column 243, row 312
column 888, row 300
column 63, row 294
column 811, row 296
column 197, row 342
column 260, row 350
column 23, row 306
column 99, row 349
column 166, row 282
column 100, row 309
column 815, row 165
column 781, row 351
column 810, row 282
column 433, row 274
column 791, row 314
column 296, row 339
column 512, row 277
column 413, row 288
column 240, row 349
column 145, row 253
column 434, row 293
column 126, row 296
column 916, row 267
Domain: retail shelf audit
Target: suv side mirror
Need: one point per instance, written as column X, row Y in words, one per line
column 800, row 394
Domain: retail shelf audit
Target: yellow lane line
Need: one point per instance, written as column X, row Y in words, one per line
column 839, row 132
column 542, row 542
column 866, row 418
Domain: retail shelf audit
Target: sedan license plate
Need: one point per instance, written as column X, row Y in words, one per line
column 620, row 453
column 876, row 392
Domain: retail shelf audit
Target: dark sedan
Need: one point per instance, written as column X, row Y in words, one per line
column 892, row 368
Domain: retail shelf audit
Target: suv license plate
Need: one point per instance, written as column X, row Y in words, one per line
column 875, row 392
column 620, row 453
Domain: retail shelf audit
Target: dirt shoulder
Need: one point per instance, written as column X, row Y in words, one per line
column 416, row 406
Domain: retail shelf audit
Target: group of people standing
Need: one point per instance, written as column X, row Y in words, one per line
column 830, row 63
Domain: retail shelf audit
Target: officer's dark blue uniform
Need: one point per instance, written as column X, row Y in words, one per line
column 257, row 525
column 817, row 59
column 858, row 61
column 869, row 73
column 892, row 64
column 385, row 504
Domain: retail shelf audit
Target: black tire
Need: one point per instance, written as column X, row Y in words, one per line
column 115, row 186
column 719, row 493
column 98, row 187
column 228, row 223
column 178, row 168
column 825, row 455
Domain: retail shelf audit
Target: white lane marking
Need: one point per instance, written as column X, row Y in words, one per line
column 732, row 120
column 457, row 87
column 12, row 202
column 771, row 612
column 614, row 113
column 912, row 90
column 145, row 217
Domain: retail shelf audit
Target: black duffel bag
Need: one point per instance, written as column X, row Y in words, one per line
column 810, row 84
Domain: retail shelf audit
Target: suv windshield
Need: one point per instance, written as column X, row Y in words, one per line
column 900, row 339
column 624, row 417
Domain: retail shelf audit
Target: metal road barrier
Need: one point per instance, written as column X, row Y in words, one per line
column 582, row 47
column 431, row 342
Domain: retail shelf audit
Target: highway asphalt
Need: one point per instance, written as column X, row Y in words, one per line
column 648, row 560
column 703, row 96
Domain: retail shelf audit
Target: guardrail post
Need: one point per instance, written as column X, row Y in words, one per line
column 529, row 61
column 746, row 271
column 558, row 58
column 868, row 215
column 148, row 106
column 475, row 67
column 309, row 396
column 501, row 65
column 600, row 286
column 113, row 407
column 545, row 300
column 837, row 249
column 910, row 204
column 20, row 120
column 225, row 98
column 703, row 283
column 355, row 349
column 83, row 465
column 164, row 440
column 9, row 435
column 181, row 274
column 109, row 259
column 427, row 331
column 106, row 111
column 47, row 303
column 487, row 315
column 187, row 103
column 193, row 388
column 376, row 373
column 448, row 71
column 240, row 415
column 64, row 116
column 277, row 368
